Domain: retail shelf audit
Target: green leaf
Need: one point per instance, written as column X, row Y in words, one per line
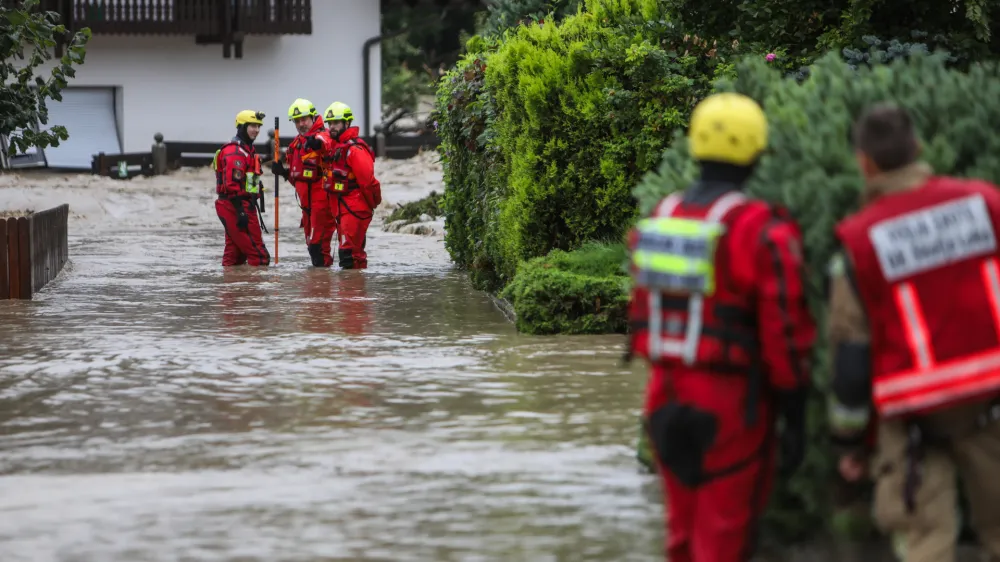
column 24, row 88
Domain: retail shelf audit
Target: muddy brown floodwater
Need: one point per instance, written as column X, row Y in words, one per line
column 156, row 408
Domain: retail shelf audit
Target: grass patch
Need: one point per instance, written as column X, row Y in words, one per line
column 580, row 292
column 411, row 212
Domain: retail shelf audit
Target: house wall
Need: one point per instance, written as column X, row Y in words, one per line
column 189, row 92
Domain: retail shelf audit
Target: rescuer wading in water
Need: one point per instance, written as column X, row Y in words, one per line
column 306, row 156
column 354, row 191
column 238, row 187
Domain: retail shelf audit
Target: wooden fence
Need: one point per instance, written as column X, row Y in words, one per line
column 123, row 166
column 177, row 154
column 33, row 250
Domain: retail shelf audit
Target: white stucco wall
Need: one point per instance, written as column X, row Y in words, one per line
column 190, row 92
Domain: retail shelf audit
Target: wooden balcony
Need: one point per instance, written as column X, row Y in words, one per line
column 209, row 21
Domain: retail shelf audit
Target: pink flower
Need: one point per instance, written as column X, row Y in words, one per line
column 770, row 57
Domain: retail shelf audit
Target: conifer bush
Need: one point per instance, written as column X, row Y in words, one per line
column 809, row 168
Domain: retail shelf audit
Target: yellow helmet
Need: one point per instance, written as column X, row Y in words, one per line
column 249, row 116
column 728, row 128
column 300, row 108
column 338, row 112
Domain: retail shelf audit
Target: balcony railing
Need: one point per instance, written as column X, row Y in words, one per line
column 263, row 17
column 185, row 17
column 210, row 21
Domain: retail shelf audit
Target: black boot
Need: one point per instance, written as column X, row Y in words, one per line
column 316, row 253
column 346, row 259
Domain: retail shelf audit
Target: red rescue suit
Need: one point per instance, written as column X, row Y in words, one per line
column 354, row 195
column 305, row 172
column 754, row 339
column 926, row 269
column 238, row 186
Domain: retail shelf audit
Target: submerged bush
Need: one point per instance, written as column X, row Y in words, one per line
column 809, row 168
column 412, row 211
column 579, row 292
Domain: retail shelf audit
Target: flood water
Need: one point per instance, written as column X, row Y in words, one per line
column 155, row 407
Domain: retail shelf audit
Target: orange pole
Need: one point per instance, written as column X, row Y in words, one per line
column 277, row 209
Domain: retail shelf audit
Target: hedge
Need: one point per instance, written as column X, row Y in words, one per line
column 810, row 169
column 547, row 125
column 546, row 129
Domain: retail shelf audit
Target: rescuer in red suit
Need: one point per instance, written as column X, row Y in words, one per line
column 238, row 185
column 719, row 312
column 306, row 157
column 354, row 191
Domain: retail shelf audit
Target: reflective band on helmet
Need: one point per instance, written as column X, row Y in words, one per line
column 931, row 383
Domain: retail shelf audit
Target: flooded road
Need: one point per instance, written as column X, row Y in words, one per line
column 154, row 407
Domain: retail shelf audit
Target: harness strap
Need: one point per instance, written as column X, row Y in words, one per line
column 688, row 350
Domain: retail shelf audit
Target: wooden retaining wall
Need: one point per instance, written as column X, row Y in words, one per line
column 33, row 250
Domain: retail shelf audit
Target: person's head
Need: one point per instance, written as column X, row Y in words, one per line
column 728, row 132
column 884, row 139
column 338, row 117
column 248, row 124
column 303, row 114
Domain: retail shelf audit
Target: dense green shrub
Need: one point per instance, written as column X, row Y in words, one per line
column 546, row 130
column 474, row 171
column 807, row 28
column 810, row 169
column 505, row 14
column 579, row 292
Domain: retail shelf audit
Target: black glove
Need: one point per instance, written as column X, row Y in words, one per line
column 278, row 169
column 242, row 219
column 313, row 143
column 793, row 436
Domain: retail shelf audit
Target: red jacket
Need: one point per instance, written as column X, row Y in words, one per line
column 758, row 310
column 926, row 268
column 306, row 167
column 237, row 170
column 354, row 169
